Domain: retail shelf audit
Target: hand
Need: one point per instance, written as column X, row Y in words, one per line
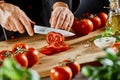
column 14, row 19
column 62, row 18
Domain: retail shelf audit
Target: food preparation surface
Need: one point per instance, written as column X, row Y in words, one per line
column 82, row 46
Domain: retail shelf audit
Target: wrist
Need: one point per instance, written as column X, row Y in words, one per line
column 59, row 4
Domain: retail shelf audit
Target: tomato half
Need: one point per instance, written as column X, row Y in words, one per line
column 103, row 17
column 74, row 66
column 32, row 56
column 54, row 37
column 21, row 59
column 60, row 73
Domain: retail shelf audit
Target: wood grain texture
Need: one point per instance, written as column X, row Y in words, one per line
column 82, row 46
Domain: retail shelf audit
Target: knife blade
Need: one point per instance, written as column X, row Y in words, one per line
column 44, row 30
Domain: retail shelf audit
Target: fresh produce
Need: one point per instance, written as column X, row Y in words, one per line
column 56, row 43
column 74, row 66
column 22, row 53
column 96, row 22
column 116, row 47
column 82, row 27
column 11, row 70
column 60, row 73
column 109, row 70
column 103, row 17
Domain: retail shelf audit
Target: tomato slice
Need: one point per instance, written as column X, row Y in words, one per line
column 47, row 50
column 54, row 37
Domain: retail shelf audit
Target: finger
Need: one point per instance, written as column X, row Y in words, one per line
column 60, row 20
column 70, row 23
column 66, row 22
column 18, row 25
column 27, row 24
column 12, row 25
column 7, row 27
column 54, row 17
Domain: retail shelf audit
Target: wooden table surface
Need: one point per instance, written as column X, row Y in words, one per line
column 82, row 46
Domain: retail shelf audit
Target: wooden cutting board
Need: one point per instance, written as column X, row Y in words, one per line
column 82, row 46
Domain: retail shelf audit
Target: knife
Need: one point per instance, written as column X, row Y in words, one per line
column 44, row 30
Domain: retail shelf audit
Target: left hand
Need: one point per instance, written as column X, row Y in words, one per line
column 62, row 18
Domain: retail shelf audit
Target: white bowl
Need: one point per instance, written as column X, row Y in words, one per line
column 104, row 42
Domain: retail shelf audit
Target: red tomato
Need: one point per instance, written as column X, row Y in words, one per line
column 5, row 54
column 116, row 47
column 47, row 50
column 83, row 27
column 103, row 17
column 32, row 56
column 18, row 46
column 21, row 59
column 74, row 66
column 60, row 73
column 96, row 22
column 54, row 37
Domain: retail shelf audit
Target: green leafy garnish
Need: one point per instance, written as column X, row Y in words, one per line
column 110, row 69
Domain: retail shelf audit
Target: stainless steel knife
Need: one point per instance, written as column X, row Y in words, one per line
column 44, row 30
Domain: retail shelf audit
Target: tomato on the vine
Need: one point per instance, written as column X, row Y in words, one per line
column 74, row 66
column 96, row 22
column 103, row 17
column 32, row 56
column 83, row 27
column 60, row 73
column 5, row 54
column 21, row 59
column 19, row 46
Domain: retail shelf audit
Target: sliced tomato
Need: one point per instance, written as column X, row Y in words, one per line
column 54, row 37
column 47, row 50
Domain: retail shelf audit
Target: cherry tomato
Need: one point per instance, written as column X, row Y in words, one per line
column 60, row 73
column 74, row 66
column 116, row 47
column 19, row 46
column 21, row 59
column 96, row 22
column 54, row 37
column 32, row 56
column 103, row 17
column 83, row 27
column 5, row 54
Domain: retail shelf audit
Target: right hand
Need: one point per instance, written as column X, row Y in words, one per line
column 14, row 19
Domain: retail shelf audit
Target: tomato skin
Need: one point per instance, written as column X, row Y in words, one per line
column 54, row 37
column 96, row 22
column 116, row 47
column 21, row 59
column 83, row 27
column 74, row 66
column 5, row 54
column 19, row 45
column 60, row 73
column 32, row 56
column 103, row 17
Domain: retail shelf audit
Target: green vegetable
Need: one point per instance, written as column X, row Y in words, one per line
column 10, row 70
column 110, row 69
